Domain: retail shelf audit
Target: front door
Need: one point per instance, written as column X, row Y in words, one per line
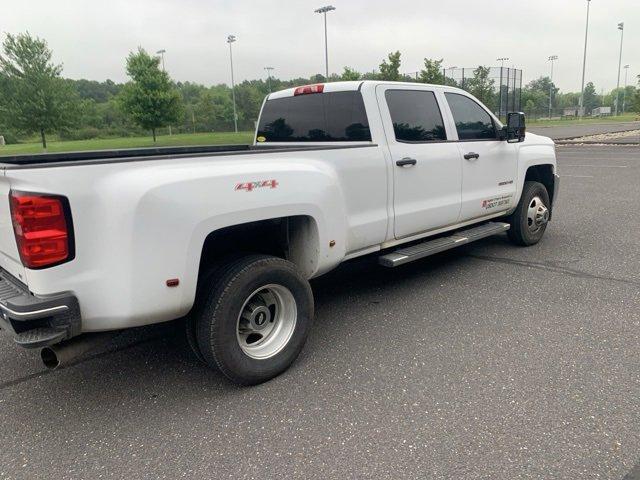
column 489, row 165
column 426, row 167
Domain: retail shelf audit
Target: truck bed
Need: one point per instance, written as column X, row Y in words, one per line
column 153, row 153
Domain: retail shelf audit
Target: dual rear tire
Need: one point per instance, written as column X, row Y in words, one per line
column 252, row 318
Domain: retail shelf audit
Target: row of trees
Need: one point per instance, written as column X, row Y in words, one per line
column 35, row 99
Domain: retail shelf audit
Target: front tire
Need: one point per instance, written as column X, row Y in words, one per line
column 254, row 317
column 529, row 220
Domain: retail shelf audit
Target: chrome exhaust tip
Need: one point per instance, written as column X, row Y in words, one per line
column 65, row 353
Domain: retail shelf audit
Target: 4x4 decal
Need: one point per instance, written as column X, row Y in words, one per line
column 250, row 186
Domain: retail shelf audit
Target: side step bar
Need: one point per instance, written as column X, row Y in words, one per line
column 431, row 247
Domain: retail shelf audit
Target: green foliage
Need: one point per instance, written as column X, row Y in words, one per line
column 150, row 98
column 99, row 92
column 432, row 72
column 636, row 98
column 213, row 112
column 535, row 95
column 349, row 74
column 390, row 70
column 591, row 99
column 35, row 99
column 481, row 86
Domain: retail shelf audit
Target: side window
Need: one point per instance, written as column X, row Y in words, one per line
column 415, row 115
column 472, row 121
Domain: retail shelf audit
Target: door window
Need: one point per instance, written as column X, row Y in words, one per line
column 416, row 116
column 472, row 121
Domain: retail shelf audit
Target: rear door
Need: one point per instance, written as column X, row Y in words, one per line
column 489, row 165
column 426, row 166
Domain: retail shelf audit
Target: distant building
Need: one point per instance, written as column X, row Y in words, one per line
column 601, row 112
column 571, row 112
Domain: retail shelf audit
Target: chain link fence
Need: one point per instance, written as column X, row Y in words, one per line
column 499, row 88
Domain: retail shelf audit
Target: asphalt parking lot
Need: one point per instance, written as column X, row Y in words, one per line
column 488, row 362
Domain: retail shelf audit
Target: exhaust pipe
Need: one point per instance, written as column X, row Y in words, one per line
column 64, row 353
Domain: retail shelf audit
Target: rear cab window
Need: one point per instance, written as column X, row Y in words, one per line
column 315, row 117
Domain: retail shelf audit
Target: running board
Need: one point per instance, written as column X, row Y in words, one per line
column 431, row 247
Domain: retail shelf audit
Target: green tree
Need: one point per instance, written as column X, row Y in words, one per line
column 432, row 72
column 636, row 100
column 350, row 74
column 481, row 86
column 391, row 70
column 35, row 98
column 214, row 111
column 150, row 98
column 591, row 99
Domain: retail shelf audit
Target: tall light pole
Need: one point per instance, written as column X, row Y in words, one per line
column 621, row 28
column 269, row 70
column 323, row 11
column 624, row 92
column 230, row 40
column 552, row 59
column 502, row 60
column 584, row 62
column 161, row 53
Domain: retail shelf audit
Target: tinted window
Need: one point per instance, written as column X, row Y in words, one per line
column 472, row 121
column 317, row 117
column 415, row 115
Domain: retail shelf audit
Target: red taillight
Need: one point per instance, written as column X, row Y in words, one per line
column 307, row 89
column 43, row 232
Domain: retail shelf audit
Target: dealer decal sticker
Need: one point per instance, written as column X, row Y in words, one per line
column 496, row 202
column 251, row 186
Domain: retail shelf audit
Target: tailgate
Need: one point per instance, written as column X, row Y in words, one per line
column 9, row 257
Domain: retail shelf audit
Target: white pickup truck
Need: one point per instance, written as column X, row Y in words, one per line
column 228, row 237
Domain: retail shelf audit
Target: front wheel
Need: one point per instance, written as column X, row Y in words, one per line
column 529, row 220
column 254, row 317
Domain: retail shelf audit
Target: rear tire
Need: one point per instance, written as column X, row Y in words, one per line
column 529, row 220
column 253, row 318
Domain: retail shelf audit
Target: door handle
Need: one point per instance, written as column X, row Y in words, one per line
column 406, row 162
column 470, row 155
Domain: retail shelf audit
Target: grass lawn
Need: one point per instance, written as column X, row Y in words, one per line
column 629, row 117
column 221, row 138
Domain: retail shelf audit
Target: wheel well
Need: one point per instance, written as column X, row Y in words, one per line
column 544, row 175
column 293, row 238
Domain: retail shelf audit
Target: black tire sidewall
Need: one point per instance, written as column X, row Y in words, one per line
column 217, row 329
column 519, row 225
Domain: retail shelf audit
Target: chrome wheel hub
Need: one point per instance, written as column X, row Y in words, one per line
column 266, row 321
column 537, row 214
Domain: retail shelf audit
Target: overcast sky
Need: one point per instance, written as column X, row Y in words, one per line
column 92, row 38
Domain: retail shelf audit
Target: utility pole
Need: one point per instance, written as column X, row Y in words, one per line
column 230, row 40
column 324, row 10
column 621, row 28
column 161, row 53
column 584, row 62
column 552, row 59
column 624, row 92
column 269, row 70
